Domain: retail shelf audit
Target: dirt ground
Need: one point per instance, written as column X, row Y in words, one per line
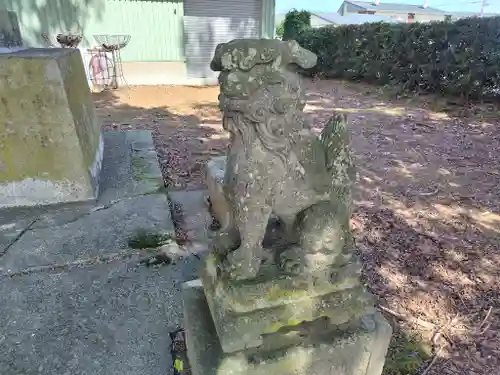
column 427, row 222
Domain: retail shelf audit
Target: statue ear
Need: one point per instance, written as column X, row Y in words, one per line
column 216, row 63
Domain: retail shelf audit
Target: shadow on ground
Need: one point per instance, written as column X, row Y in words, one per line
column 186, row 132
column 427, row 219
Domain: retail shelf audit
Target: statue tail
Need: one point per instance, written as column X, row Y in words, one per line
column 339, row 158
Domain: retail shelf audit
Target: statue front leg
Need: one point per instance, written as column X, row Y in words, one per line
column 226, row 236
column 250, row 217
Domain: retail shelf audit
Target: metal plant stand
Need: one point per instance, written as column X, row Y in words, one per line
column 114, row 44
column 101, row 68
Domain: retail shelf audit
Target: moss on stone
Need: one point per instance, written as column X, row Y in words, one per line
column 277, row 293
column 139, row 168
column 48, row 126
column 147, row 240
column 274, row 328
column 36, row 124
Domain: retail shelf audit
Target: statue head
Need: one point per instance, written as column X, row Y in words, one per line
column 260, row 91
column 244, row 54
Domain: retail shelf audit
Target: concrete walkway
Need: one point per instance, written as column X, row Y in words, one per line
column 78, row 294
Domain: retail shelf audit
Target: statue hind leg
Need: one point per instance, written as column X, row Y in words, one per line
column 289, row 230
column 325, row 239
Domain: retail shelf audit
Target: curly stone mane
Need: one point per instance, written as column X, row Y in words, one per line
column 260, row 92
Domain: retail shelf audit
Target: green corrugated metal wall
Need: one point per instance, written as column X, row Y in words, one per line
column 268, row 21
column 155, row 25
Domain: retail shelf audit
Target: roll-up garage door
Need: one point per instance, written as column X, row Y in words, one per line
column 210, row 22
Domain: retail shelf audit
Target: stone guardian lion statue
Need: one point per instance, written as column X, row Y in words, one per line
column 276, row 165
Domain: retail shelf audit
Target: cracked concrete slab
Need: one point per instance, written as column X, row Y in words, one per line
column 130, row 166
column 131, row 200
column 111, row 319
column 102, row 231
column 14, row 221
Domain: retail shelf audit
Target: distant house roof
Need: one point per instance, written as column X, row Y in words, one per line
column 337, row 19
column 395, row 7
column 353, row 18
column 456, row 15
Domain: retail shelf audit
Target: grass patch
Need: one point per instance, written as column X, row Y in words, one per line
column 138, row 168
column 406, row 355
column 147, row 240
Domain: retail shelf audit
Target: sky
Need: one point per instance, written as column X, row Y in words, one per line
column 493, row 6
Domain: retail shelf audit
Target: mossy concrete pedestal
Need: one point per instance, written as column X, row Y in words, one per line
column 321, row 351
column 51, row 146
column 245, row 312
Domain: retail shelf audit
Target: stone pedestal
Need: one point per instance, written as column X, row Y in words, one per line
column 243, row 313
column 360, row 350
column 283, row 324
column 51, row 145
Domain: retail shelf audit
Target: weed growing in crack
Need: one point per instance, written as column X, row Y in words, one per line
column 147, row 240
column 406, row 355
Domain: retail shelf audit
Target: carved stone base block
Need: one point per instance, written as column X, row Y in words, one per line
column 244, row 312
column 360, row 351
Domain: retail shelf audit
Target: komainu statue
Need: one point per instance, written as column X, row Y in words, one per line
column 277, row 166
column 281, row 285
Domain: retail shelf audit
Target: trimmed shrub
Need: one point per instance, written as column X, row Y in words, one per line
column 453, row 58
column 295, row 23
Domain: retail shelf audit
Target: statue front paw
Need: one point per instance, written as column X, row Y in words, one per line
column 223, row 243
column 238, row 266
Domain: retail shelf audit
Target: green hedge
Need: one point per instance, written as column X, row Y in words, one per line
column 454, row 58
column 296, row 22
